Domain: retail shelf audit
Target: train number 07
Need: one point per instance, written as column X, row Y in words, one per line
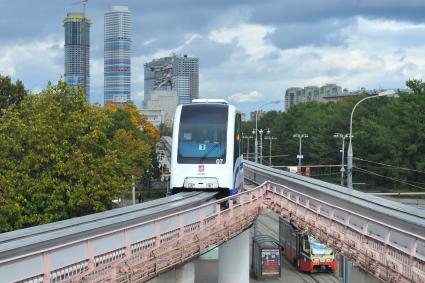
column 219, row 161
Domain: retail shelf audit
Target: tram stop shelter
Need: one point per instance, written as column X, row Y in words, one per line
column 266, row 257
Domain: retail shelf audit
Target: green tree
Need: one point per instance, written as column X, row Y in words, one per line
column 61, row 157
column 386, row 130
column 11, row 93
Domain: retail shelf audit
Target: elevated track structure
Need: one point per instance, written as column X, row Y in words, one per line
column 134, row 244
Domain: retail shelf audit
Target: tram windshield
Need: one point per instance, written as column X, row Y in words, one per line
column 318, row 248
column 202, row 134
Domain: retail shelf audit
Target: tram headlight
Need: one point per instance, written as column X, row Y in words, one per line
column 190, row 185
column 210, row 185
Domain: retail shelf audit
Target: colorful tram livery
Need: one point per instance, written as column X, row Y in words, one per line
column 206, row 152
column 304, row 250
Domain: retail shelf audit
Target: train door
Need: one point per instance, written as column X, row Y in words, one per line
column 237, row 156
column 298, row 249
column 304, row 263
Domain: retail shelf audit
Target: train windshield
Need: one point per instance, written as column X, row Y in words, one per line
column 202, row 135
column 318, row 248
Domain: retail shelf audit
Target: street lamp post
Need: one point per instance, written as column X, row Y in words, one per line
column 270, row 138
column 350, row 148
column 261, row 131
column 343, row 137
column 247, row 147
column 256, row 127
column 300, row 137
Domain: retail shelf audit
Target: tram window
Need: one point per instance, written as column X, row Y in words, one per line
column 306, row 244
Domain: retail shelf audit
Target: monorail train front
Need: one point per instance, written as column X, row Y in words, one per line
column 206, row 152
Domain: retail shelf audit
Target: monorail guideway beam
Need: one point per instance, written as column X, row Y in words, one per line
column 139, row 251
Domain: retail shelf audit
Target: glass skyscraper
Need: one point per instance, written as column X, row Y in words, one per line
column 77, row 51
column 117, row 63
column 174, row 73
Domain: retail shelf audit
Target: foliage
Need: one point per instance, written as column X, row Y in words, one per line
column 61, row 157
column 138, row 119
column 11, row 93
column 164, row 130
column 386, row 130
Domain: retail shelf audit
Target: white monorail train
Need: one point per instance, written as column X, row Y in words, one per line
column 206, row 152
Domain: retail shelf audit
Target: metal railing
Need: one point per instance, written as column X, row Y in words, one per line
column 391, row 248
column 387, row 252
column 141, row 251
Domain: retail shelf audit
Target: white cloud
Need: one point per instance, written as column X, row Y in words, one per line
column 140, row 94
column 250, row 37
column 150, row 41
column 38, row 58
column 375, row 54
column 246, row 97
column 191, row 37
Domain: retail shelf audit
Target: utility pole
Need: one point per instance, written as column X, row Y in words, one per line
column 133, row 189
column 261, row 131
column 256, row 126
column 247, row 148
column 343, row 137
column 300, row 156
column 350, row 147
column 270, row 138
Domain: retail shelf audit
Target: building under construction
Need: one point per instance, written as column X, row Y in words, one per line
column 77, row 51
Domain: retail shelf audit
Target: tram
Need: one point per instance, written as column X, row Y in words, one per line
column 206, row 152
column 308, row 254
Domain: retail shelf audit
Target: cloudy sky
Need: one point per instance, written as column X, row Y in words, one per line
column 250, row 51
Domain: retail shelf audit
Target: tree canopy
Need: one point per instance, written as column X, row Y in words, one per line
column 386, row 130
column 61, row 157
column 11, row 93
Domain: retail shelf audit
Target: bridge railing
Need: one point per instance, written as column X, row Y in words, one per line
column 143, row 250
column 388, row 252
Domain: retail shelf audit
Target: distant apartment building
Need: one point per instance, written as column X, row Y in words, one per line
column 243, row 117
column 159, row 106
column 174, row 73
column 296, row 95
column 117, row 56
column 261, row 114
column 77, row 51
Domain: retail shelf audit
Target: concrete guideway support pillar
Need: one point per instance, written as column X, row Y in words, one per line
column 182, row 274
column 348, row 266
column 233, row 263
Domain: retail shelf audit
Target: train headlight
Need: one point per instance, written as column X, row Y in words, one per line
column 190, row 185
column 328, row 259
column 316, row 260
column 210, row 185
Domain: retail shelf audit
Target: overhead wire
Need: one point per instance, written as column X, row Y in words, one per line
column 387, row 177
column 388, row 165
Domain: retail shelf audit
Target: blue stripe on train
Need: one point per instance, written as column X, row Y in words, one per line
column 238, row 170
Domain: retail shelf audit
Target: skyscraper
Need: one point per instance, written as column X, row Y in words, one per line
column 77, row 51
column 176, row 73
column 117, row 64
